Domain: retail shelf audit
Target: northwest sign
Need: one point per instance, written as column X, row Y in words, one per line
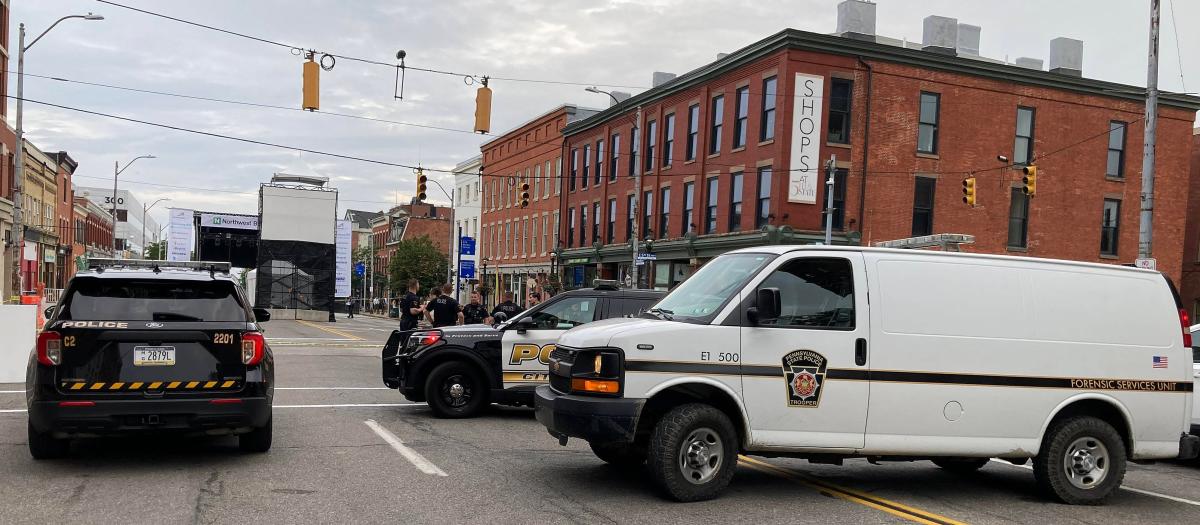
column 806, row 139
column 221, row 220
column 804, row 372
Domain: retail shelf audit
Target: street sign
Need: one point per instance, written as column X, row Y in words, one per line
column 647, row 257
column 1147, row 263
column 466, row 269
column 466, row 245
column 360, row 269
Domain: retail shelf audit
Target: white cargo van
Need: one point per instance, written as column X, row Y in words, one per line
column 827, row 353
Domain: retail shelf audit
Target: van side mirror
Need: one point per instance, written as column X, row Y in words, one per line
column 262, row 315
column 767, row 306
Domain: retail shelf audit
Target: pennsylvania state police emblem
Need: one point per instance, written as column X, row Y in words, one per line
column 804, row 371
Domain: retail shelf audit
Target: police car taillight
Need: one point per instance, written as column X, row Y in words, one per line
column 428, row 338
column 1186, row 323
column 49, row 348
column 253, row 346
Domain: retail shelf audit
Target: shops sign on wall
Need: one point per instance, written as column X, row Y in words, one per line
column 807, row 133
column 220, row 220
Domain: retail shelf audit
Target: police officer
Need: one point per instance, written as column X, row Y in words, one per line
column 410, row 306
column 508, row 307
column 445, row 310
column 474, row 313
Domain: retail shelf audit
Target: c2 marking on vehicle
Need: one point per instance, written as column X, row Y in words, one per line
column 223, row 339
column 94, row 324
column 68, row 341
column 528, row 352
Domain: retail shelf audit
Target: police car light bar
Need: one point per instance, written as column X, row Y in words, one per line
column 208, row 266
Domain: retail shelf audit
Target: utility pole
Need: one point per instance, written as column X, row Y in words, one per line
column 1146, row 224
column 637, row 197
column 19, row 174
column 830, row 169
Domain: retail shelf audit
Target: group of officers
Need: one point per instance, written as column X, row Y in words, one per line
column 444, row 310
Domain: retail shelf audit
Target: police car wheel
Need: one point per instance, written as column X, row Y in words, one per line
column 455, row 390
column 1082, row 461
column 257, row 440
column 624, row 455
column 42, row 445
column 693, row 452
column 961, row 465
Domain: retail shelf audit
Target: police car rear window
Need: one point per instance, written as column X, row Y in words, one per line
column 144, row 300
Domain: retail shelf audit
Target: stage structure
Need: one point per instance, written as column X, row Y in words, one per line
column 295, row 266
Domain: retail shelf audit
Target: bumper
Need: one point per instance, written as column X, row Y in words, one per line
column 150, row 415
column 595, row 419
column 1189, row 445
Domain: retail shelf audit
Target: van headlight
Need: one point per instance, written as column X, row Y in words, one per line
column 598, row 372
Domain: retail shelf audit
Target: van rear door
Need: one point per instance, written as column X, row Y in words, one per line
column 150, row 336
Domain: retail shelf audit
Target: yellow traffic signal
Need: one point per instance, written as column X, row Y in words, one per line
column 312, row 85
column 969, row 191
column 421, row 180
column 1030, row 180
column 524, row 194
column 483, row 109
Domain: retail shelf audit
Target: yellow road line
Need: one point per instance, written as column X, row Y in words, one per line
column 851, row 495
column 330, row 330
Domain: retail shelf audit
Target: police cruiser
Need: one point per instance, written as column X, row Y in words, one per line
column 828, row 353
column 149, row 346
column 458, row 370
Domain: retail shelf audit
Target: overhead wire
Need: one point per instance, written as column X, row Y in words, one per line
column 1178, row 54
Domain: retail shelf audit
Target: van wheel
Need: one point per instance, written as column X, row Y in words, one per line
column 693, row 452
column 961, row 465
column 43, row 445
column 623, row 455
column 455, row 390
column 1082, row 461
column 257, row 440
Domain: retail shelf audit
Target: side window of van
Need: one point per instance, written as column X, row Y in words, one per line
column 814, row 293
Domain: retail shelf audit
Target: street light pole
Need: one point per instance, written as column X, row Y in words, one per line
column 144, row 210
column 19, row 171
column 637, row 185
column 116, row 172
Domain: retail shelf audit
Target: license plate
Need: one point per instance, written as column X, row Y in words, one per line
column 153, row 356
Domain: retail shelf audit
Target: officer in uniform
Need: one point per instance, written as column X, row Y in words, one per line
column 474, row 313
column 508, row 307
column 410, row 306
column 445, row 310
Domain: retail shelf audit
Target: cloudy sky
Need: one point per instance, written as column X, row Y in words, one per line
column 606, row 42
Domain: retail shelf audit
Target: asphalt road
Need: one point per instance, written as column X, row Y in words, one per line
column 348, row 451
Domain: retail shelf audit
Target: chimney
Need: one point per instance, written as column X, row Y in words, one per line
column 968, row 40
column 1066, row 56
column 620, row 96
column 940, row 34
column 1031, row 63
column 856, row 19
column 661, row 78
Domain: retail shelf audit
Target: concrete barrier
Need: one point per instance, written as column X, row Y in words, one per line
column 17, row 323
column 283, row 314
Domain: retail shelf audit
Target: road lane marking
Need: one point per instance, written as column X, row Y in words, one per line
column 330, row 330
column 1124, row 487
column 419, row 461
column 851, row 495
column 327, row 388
column 15, row 411
column 12, row 391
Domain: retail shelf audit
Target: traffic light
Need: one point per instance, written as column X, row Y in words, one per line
column 483, row 108
column 312, row 85
column 524, row 194
column 1030, row 180
column 421, row 180
column 969, row 191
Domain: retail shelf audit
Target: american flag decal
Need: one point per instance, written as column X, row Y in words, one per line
column 1160, row 361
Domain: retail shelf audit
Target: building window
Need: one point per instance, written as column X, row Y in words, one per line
column 599, row 161
column 647, row 214
column 735, row 201
column 537, row 182
column 927, row 128
column 629, row 217
column 587, row 162
column 1023, row 144
column 633, row 150
column 1116, row 149
column 840, row 91
column 922, row 222
column 767, row 129
column 741, row 110
column 710, row 214
column 574, row 168
column 763, row 205
column 555, row 230
column 689, row 205
column 596, row 222
column 664, row 210
column 839, row 197
column 616, row 154
column 1018, row 218
column 558, row 179
column 717, row 113
column 545, row 233
column 693, row 134
column 1110, row 227
column 651, row 134
column 583, row 224
column 570, row 227
column 668, row 139
column 612, row 220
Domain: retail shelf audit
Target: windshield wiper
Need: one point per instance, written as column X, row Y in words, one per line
column 172, row 316
column 661, row 313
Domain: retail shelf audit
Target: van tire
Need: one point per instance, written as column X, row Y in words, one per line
column 700, row 426
column 256, row 441
column 455, row 390
column 1096, row 442
column 621, row 455
column 961, row 465
column 43, row 445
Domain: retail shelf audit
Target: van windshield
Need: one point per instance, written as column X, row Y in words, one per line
column 698, row 299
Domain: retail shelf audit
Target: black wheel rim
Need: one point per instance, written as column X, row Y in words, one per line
column 456, row 391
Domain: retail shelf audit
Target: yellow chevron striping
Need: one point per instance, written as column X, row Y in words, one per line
column 97, row 386
column 77, row 386
column 227, row 384
column 136, row 386
column 210, row 384
column 173, row 385
column 154, row 385
column 116, row 386
column 192, row 384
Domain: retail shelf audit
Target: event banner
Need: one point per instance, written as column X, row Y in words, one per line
column 221, row 220
column 807, row 137
column 341, row 287
column 179, row 235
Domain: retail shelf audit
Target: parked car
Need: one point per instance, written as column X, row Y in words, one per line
column 458, row 370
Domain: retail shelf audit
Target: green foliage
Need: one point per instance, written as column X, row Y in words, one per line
column 417, row 259
column 156, row 251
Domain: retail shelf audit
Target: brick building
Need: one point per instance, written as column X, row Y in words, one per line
column 732, row 154
column 65, row 204
column 517, row 242
column 406, row 221
column 40, row 211
column 1189, row 281
column 8, row 146
column 93, row 236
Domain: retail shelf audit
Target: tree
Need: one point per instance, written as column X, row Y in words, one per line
column 156, row 250
column 417, row 259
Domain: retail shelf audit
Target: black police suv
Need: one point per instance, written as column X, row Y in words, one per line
column 460, row 369
column 145, row 346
